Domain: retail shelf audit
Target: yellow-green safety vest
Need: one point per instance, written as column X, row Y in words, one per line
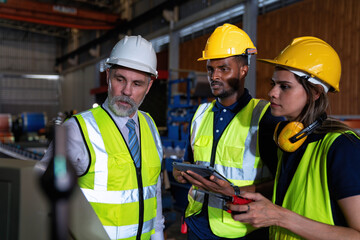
column 236, row 157
column 308, row 193
column 124, row 202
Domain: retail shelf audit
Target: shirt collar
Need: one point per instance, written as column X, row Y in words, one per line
column 237, row 106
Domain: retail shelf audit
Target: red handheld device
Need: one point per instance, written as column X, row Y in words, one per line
column 237, row 200
column 240, row 200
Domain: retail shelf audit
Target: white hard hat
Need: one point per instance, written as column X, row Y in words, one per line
column 136, row 53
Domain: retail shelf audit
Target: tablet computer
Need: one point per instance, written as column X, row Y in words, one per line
column 204, row 171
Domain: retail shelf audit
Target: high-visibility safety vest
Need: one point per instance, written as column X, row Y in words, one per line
column 235, row 156
column 123, row 197
column 308, row 193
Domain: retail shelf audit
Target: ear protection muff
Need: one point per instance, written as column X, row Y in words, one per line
column 289, row 136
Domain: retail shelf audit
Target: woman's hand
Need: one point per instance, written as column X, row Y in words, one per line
column 259, row 213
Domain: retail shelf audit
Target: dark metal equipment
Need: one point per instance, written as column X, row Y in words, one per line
column 58, row 183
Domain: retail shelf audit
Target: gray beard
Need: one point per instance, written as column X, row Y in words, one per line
column 119, row 110
column 122, row 111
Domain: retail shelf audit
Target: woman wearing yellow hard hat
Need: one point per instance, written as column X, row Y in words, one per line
column 317, row 185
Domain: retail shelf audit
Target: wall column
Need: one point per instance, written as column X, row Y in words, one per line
column 250, row 27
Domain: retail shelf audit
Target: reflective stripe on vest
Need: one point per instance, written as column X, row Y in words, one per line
column 214, row 201
column 118, row 197
column 111, row 184
column 195, row 124
column 248, row 170
column 237, row 158
column 154, row 133
column 300, row 198
column 101, row 170
column 129, row 230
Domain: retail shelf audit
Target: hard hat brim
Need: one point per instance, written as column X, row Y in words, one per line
column 276, row 63
column 247, row 52
column 216, row 57
column 133, row 65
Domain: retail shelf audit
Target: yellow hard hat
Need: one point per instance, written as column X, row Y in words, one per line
column 313, row 56
column 227, row 40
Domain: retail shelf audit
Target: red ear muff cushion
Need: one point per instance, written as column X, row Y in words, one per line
column 284, row 131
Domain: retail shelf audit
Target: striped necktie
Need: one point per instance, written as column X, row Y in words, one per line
column 133, row 142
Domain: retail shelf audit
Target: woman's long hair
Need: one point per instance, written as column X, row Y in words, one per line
column 314, row 109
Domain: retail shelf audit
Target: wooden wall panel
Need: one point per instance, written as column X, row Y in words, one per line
column 190, row 51
column 336, row 22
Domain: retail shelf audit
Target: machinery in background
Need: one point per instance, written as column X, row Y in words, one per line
column 12, row 150
column 29, row 127
column 181, row 108
column 19, row 136
column 27, row 135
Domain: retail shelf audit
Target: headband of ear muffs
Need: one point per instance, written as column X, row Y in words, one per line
column 289, row 136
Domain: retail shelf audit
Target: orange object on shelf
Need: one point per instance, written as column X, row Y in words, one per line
column 7, row 137
column 353, row 123
column 5, row 122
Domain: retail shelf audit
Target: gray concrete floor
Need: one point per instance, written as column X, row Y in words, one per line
column 173, row 231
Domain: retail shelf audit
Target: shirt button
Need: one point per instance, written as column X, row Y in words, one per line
column 217, row 131
column 224, row 110
column 221, row 119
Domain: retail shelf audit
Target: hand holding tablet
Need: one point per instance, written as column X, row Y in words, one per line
column 204, row 171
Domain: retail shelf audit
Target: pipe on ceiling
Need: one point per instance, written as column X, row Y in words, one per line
column 122, row 28
column 56, row 23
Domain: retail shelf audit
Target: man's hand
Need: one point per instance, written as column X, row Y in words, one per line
column 213, row 184
column 178, row 175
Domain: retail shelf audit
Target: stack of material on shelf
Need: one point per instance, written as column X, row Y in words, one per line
column 6, row 136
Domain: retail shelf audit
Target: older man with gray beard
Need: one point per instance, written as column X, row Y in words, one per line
column 116, row 149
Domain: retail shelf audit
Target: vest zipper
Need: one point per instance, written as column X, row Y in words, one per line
column 212, row 159
column 212, row 163
column 141, row 203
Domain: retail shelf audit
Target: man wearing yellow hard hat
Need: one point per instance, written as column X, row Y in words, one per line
column 232, row 134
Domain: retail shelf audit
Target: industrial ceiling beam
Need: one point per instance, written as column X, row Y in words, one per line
column 122, row 27
column 57, row 15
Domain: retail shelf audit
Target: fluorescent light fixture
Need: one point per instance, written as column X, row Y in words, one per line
column 263, row 3
column 41, row 76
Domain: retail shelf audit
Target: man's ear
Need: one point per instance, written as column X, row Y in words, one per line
column 150, row 84
column 107, row 75
column 244, row 70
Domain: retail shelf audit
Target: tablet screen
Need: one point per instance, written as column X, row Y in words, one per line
column 204, row 171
